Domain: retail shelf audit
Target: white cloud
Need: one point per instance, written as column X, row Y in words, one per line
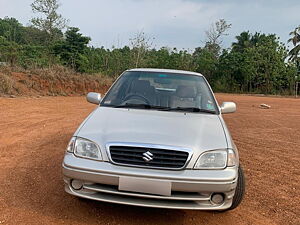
column 168, row 21
column 176, row 23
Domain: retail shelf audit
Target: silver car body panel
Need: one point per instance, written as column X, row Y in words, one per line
column 165, row 71
column 192, row 188
column 144, row 126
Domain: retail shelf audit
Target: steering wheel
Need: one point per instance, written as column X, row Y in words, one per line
column 137, row 97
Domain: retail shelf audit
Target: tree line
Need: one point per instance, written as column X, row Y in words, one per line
column 255, row 62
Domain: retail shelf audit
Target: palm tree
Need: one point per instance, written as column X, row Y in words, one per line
column 248, row 40
column 295, row 51
column 243, row 41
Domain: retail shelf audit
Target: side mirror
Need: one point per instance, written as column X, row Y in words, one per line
column 94, row 98
column 228, row 107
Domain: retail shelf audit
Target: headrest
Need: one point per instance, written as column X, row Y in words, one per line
column 183, row 91
column 140, row 85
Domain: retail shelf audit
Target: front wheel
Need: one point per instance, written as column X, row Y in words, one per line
column 240, row 189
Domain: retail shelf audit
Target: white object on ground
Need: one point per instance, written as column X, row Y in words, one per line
column 264, row 106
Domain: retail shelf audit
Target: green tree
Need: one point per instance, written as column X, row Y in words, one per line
column 206, row 58
column 71, row 51
column 214, row 36
column 294, row 53
column 159, row 58
column 34, row 36
column 140, row 44
column 243, row 42
column 33, row 56
column 255, row 63
column 9, row 51
column 184, row 60
column 229, row 76
column 205, row 61
column 49, row 19
column 12, row 30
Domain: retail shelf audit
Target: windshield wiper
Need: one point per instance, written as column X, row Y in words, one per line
column 191, row 109
column 163, row 108
column 140, row 106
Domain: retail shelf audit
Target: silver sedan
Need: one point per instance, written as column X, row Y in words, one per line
column 156, row 139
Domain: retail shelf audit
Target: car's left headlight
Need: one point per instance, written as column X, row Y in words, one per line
column 84, row 148
column 217, row 159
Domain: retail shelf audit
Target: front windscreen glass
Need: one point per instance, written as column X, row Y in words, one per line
column 161, row 91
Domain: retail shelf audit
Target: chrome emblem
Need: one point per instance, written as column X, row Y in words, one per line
column 148, row 156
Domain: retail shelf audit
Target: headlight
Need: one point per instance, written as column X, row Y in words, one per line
column 212, row 160
column 84, row 148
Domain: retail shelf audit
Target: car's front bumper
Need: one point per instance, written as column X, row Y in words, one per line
column 191, row 189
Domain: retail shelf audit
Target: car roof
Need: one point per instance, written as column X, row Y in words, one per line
column 164, row 71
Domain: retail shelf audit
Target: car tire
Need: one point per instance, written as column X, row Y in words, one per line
column 240, row 189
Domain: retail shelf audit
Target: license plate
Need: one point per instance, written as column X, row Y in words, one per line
column 145, row 186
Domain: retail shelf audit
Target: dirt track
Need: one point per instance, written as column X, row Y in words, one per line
column 34, row 133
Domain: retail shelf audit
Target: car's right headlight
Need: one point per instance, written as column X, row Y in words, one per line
column 84, row 148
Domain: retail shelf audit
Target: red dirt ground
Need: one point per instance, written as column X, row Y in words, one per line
column 34, row 133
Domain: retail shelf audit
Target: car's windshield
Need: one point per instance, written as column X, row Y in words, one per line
column 161, row 91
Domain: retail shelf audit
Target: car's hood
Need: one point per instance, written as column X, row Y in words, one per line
column 196, row 131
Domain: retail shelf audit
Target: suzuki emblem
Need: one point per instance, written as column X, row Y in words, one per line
column 148, row 156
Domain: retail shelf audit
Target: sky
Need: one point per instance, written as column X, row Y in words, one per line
column 172, row 23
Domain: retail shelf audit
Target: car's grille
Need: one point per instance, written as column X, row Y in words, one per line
column 148, row 157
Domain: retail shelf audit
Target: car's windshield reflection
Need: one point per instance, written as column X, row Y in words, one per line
column 161, row 91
